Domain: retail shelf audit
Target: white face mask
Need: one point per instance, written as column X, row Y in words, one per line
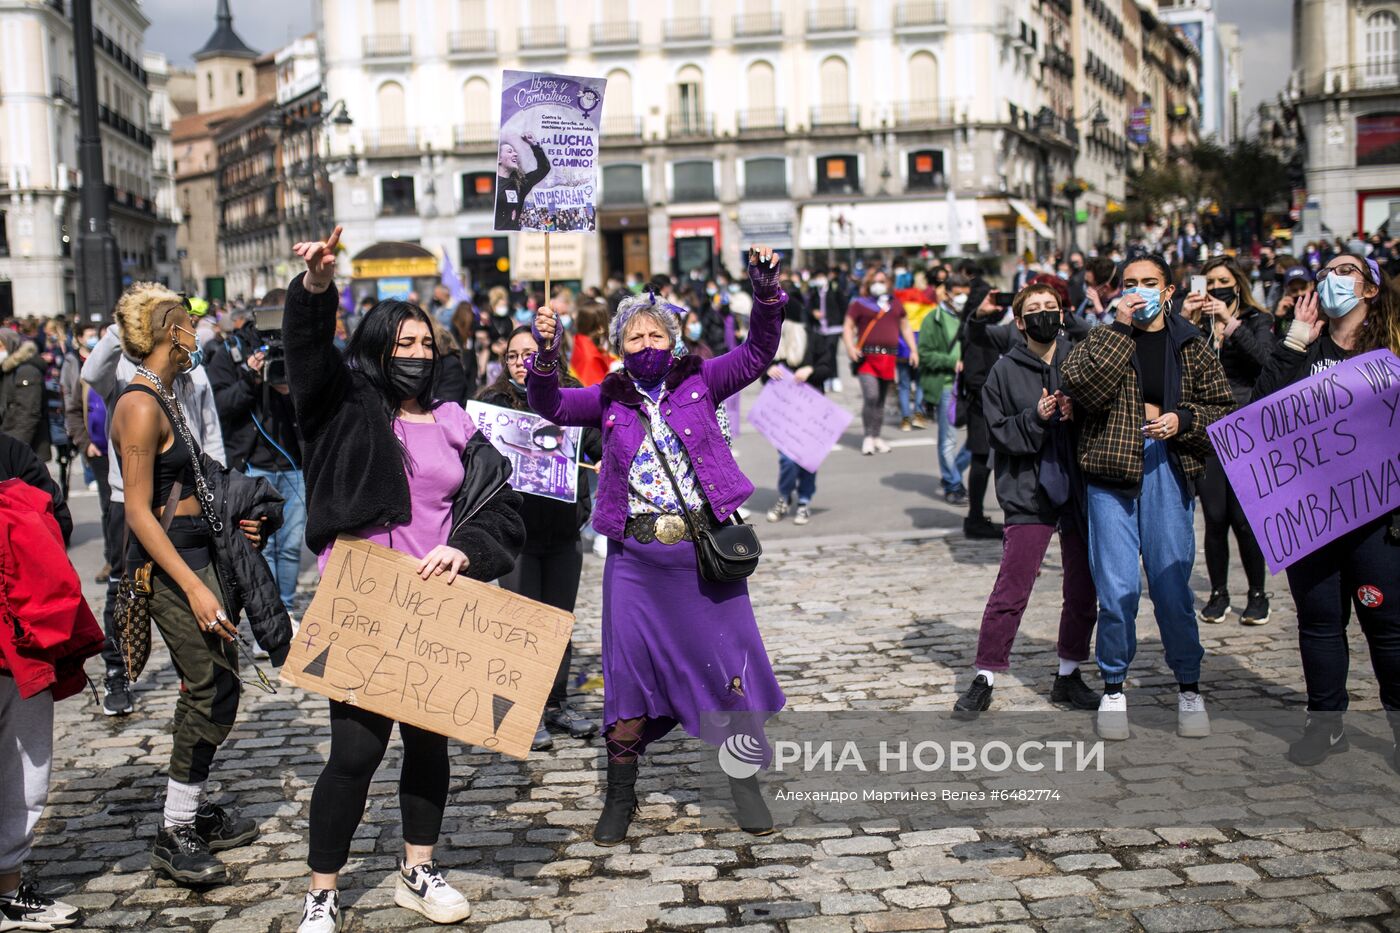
column 959, row 302
column 4, row 355
column 878, row 288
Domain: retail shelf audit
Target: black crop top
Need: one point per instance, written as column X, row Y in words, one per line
column 1150, row 354
column 177, row 463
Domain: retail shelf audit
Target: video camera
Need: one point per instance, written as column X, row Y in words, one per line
column 268, row 323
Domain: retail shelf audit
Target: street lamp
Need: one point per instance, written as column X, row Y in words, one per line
column 1074, row 187
column 314, row 168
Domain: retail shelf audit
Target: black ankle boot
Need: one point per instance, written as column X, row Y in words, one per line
column 619, row 805
column 751, row 808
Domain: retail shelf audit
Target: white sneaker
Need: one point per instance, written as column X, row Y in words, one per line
column 867, row 446
column 321, row 912
column 27, row 909
column 1192, row 721
column 424, row 889
column 880, row 446
column 1112, row 720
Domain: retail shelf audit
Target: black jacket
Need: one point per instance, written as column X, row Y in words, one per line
column 353, row 462
column 23, row 399
column 451, row 379
column 1245, row 352
column 1019, row 438
column 240, row 395
column 248, row 583
column 820, row 355
column 17, row 461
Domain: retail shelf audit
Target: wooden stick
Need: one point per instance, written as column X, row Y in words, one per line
column 546, row 268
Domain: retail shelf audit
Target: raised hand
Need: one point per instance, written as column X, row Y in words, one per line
column 546, row 324
column 1305, row 310
column 320, row 261
column 763, row 273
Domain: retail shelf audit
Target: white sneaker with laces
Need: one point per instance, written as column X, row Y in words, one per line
column 1112, row 720
column 27, row 909
column 424, row 889
column 803, row 514
column 321, row 912
column 867, row 447
column 880, row 446
column 1192, row 721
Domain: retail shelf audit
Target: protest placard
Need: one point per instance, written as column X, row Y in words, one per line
column 798, row 420
column 547, row 158
column 543, row 456
column 1317, row 459
column 466, row 660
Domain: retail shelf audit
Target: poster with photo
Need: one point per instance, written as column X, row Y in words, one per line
column 543, row 456
column 547, row 157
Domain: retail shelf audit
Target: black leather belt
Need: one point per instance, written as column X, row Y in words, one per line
column 666, row 528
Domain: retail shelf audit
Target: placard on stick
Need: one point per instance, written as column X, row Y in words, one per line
column 467, row 660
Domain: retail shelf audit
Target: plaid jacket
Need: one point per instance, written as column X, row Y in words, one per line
column 1099, row 376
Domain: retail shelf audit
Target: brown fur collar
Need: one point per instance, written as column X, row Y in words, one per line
column 619, row 387
column 23, row 353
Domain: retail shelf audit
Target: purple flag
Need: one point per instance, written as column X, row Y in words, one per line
column 347, row 300
column 452, row 282
column 1317, row 459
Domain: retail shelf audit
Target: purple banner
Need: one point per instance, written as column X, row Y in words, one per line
column 543, row 457
column 547, row 159
column 798, row 420
column 1317, row 459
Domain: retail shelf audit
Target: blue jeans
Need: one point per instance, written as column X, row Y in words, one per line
column 906, row 384
column 792, row 477
column 952, row 463
column 1158, row 525
column 283, row 550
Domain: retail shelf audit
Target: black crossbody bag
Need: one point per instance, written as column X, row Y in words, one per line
column 723, row 554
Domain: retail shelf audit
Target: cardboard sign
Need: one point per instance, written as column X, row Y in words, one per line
column 547, row 158
column 467, row 660
column 1317, row 459
column 799, row 421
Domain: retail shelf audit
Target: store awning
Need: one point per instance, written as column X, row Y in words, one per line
column 877, row 225
column 1030, row 217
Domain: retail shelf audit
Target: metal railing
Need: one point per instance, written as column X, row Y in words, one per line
column 474, row 134
column 388, row 46
column 614, row 33
column 771, row 118
column 543, row 37
column 835, row 115
column 925, row 112
column 392, row 139
column 833, row 20
column 920, row 13
column 63, row 90
column 754, row 25
column 691, row 193
column 621, row 126
column 765, row 189
column 1378, row 73
column 471, row 41
column 399, row 207
column 689, row 125
column 687, row 29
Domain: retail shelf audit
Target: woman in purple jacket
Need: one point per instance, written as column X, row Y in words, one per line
column 677, row 649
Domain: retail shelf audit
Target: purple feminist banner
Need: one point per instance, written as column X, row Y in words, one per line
column 798, row 420
column 543, row 457
column 547, row 159
column 1317, row 459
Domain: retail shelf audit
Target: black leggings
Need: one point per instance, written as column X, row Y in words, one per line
column 359, row 739
column 550, row 578
column 977, row 475
column 1222, row 511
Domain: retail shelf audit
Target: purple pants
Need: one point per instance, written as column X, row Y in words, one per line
column 1022, row 550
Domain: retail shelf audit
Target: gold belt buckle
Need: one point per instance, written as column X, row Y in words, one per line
column 669, row 528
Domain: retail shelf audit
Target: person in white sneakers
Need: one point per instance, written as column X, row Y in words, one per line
column 875, row 324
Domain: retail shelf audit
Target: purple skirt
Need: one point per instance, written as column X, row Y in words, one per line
column 679, row 649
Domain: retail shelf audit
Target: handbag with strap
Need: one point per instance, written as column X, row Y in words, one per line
column 131, row 609
column 723, row 554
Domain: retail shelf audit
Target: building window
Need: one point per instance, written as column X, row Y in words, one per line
column 622, row 184
column 688, row 117
column 926, row 170
column 1382, row 47
column 838, row 174
column 208, row 84
column 1378, row 139
column 693, row 181
column 478, row 191
column 4, row 237
column 397, row 196
column 765, row 178
column 239, row 81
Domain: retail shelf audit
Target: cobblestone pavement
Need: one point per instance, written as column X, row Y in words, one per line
column 875, row 622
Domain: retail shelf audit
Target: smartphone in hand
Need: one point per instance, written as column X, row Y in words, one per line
column 1198, row 284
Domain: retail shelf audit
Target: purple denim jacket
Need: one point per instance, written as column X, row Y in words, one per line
column 694, row 389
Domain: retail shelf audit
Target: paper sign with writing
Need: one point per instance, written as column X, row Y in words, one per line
column 543, row 457
column 467, row 660
column 798, row 420
column 547, row 160
column 1317, row 459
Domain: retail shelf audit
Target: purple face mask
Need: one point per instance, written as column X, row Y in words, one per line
column 649, row 366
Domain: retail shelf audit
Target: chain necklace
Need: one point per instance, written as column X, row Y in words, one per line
column 206, row 498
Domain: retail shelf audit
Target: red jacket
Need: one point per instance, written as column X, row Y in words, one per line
column 47, row 630
column 589, row 364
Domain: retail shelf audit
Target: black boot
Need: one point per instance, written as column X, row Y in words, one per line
column 183, row 857
column 619, row 806
column 221, row 829
column 752, row 810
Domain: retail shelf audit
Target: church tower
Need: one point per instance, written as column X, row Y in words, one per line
column 224, row 72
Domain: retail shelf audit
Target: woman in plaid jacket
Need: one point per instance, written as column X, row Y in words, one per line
column 1145, row 389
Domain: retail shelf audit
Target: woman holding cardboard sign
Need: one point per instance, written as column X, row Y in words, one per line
column 387, row 462
column 680, row 643
column 1360, row 312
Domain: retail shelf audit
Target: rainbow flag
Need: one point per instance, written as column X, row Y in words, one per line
column 918, row 302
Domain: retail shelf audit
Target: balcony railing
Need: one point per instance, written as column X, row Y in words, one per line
column 63, row 90
column 124, row 126
column 474, row 134
column 472, row 42
column 758, row 25
column 920, row 13
column 542, row 38
column 925, row 112
column 835, row 116
column 388, row 46
column 392, row 139
column 690, row 125
column 622, row 127
column 765, row 119
column 118, row 54
column 398, row 207
column 766, row 189
column 1374, row 74
column 614, row 34
column 688, row 29
column 692, row 193
column 621, row 196
column 835, row 20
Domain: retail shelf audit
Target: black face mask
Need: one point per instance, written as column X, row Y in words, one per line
column 1042, row 326
column 408, row 376
column 1226, row 295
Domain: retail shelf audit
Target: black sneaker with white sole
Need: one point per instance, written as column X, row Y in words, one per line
column 976, row 699
column 116, row 694
column 1256, row 611
column 27, row 909
column 1323, row 735
column 182, row 856
column 1217, row 607
column 320, row 912
column 223, row 830
column 1071, row 688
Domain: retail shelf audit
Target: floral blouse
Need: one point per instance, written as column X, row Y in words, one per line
column 649, row 490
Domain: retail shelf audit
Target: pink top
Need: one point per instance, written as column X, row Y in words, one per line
column 434, row 476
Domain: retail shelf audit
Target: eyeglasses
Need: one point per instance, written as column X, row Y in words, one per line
column 519, row 357
column 1345, row 269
